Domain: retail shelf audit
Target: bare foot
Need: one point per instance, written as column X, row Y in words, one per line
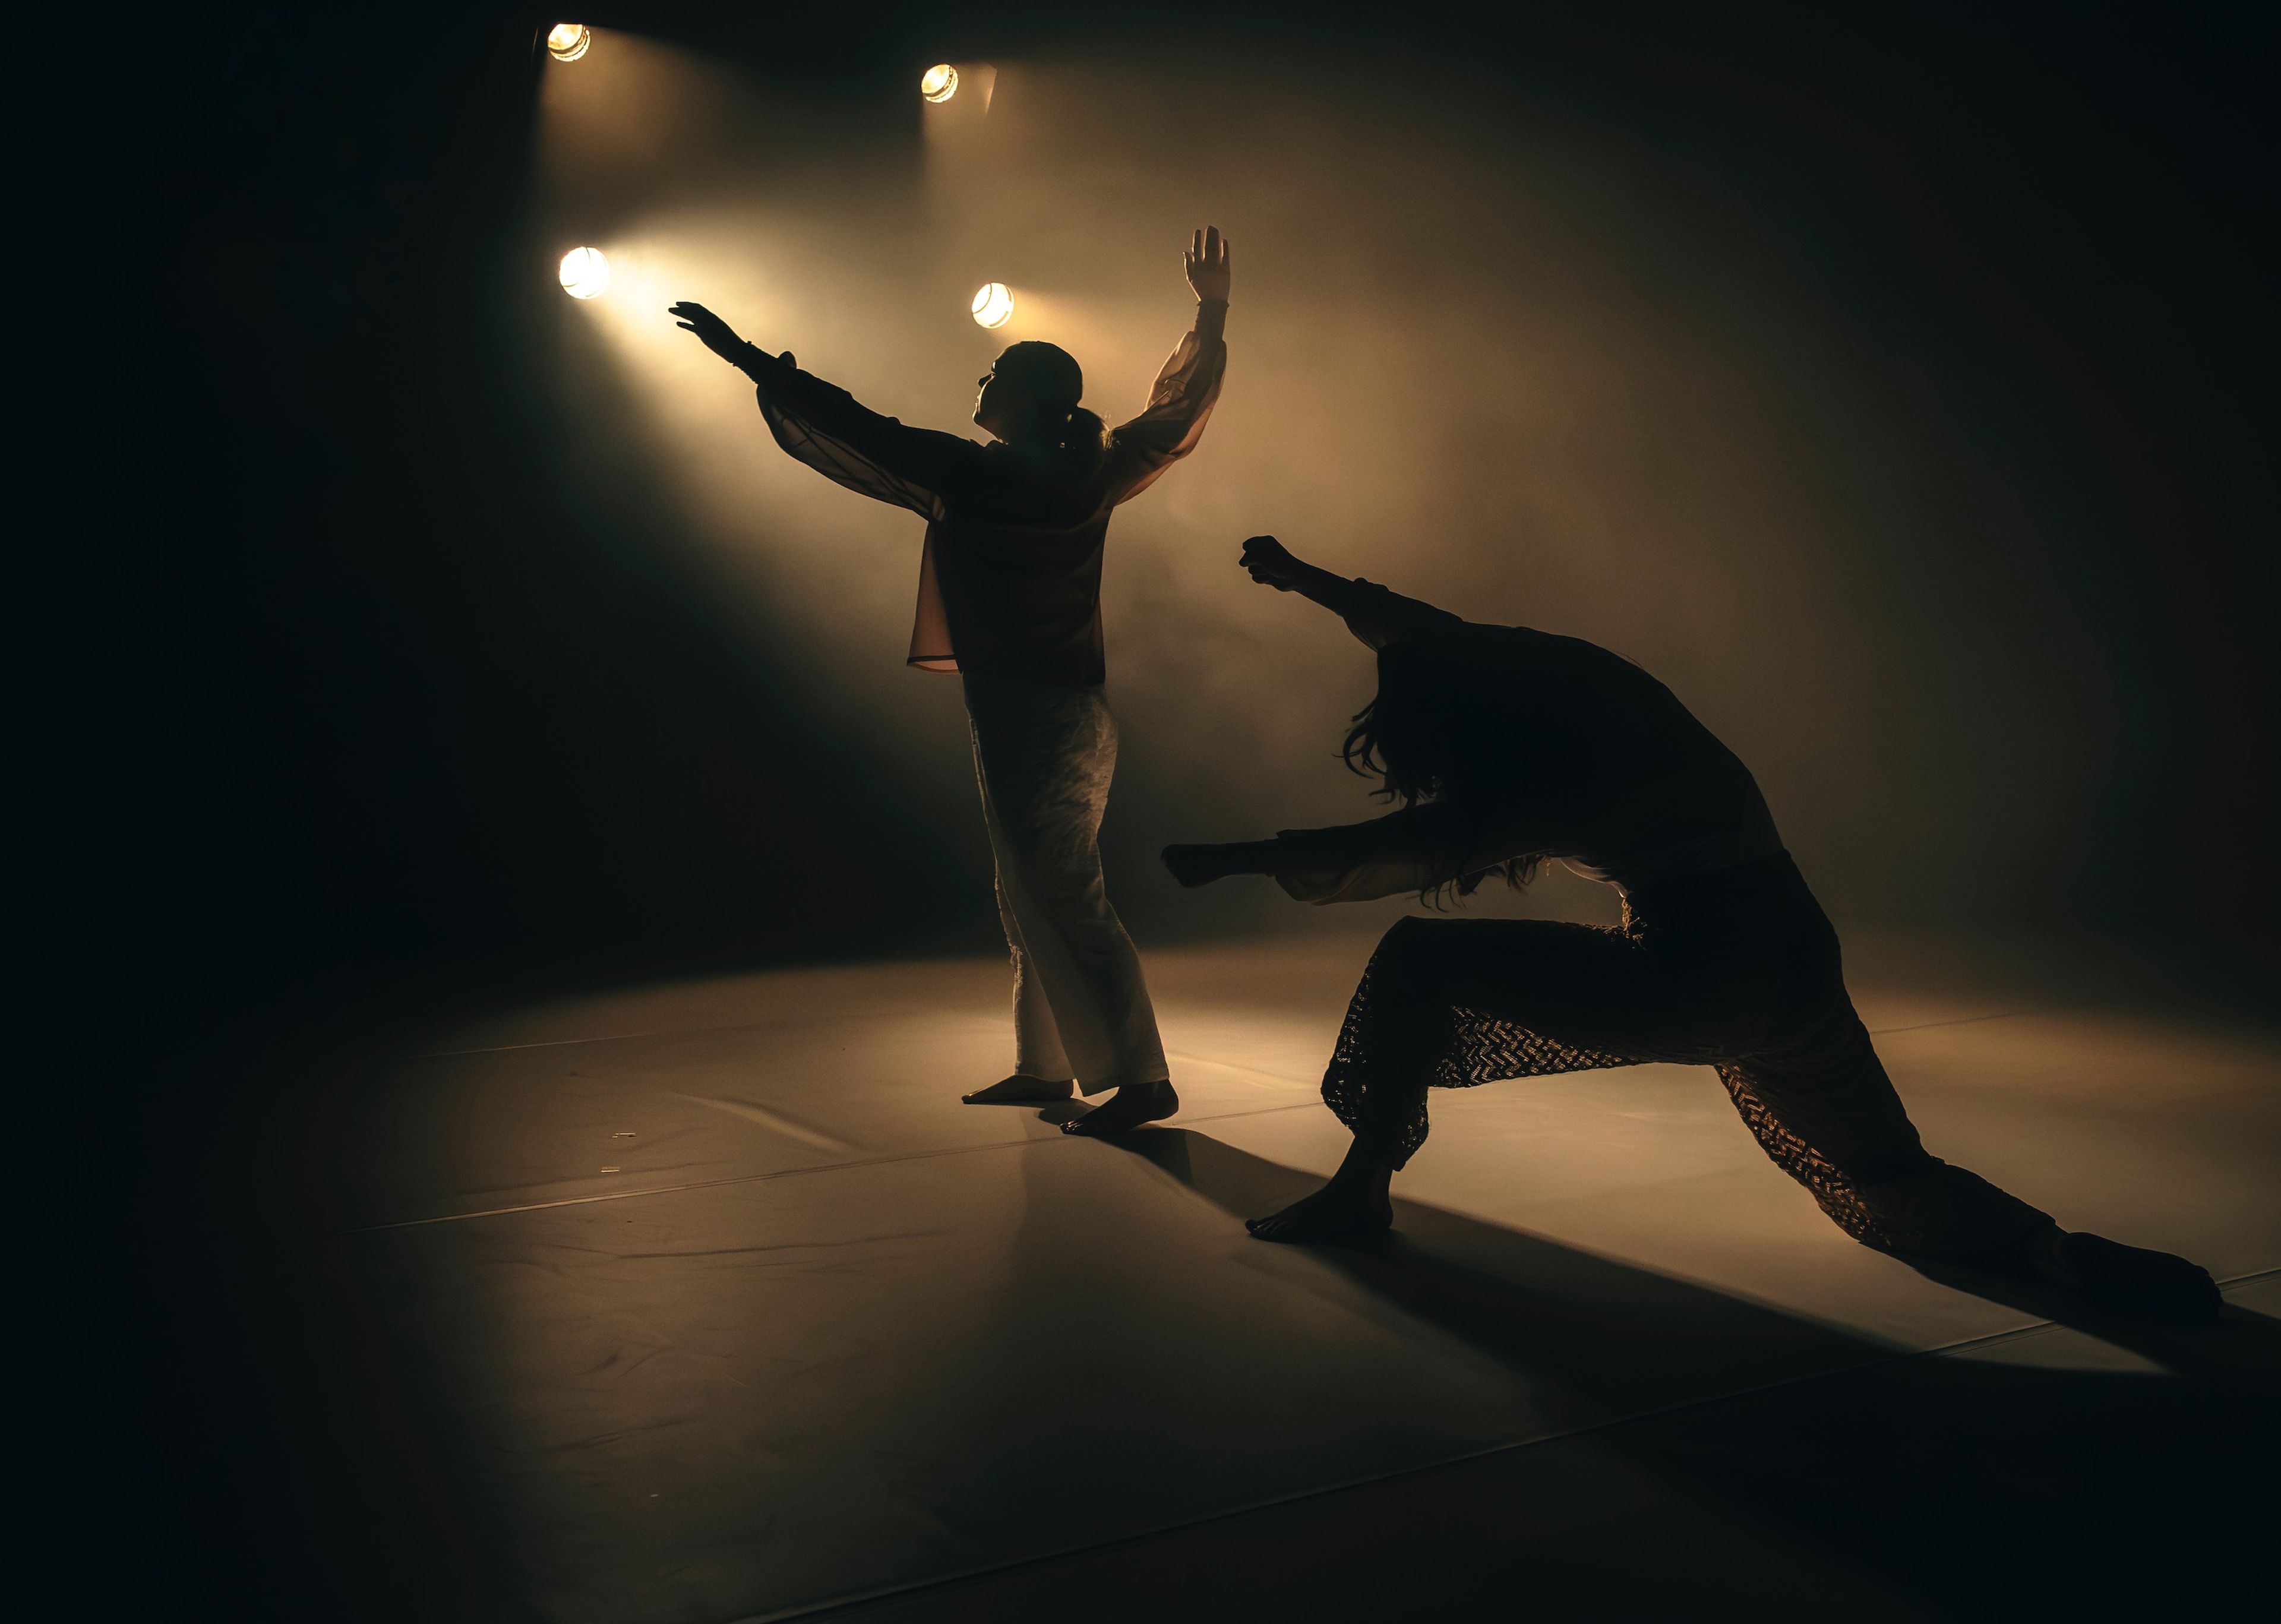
column 2131, row 1280
column 1020, row 1090
column 1127, row 1108
column 1343, row 1209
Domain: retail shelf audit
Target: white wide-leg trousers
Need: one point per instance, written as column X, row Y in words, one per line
column 1044, row 755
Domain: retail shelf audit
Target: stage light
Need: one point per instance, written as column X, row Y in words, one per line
column 566, row 42
column 992, row 304
column 585, row 274
column 939, row 82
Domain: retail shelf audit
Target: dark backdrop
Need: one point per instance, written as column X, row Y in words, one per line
column 362, row 653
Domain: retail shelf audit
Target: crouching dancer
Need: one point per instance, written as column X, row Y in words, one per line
column 1508, row 748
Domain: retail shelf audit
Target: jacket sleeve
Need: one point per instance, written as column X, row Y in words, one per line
column 1180, row 403
column 824, row 426
column 1404, row 851
column 1383, row 619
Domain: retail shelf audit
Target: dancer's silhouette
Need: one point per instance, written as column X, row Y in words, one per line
column 1009, row 597
column 1510, row 746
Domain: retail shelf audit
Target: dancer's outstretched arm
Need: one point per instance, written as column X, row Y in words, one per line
column 1404, row 851
column 824, row 426
column 1354, row 862
column 1378, row 617
column 1188, row 385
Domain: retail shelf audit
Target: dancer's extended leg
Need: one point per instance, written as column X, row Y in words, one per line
column 2128, row 1279
column 1461, row 1002
column 1827, row 1115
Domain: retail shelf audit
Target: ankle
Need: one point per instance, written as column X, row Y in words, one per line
column 1366, row 1190
column 1362, row 1171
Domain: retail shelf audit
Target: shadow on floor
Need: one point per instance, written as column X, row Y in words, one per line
column 1550, row 1307
column 1576, row 1322
column 1815, row 1469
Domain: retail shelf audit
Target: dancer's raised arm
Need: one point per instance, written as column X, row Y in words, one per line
column 1377, row 616
column 1182, row 396
column 824, row 426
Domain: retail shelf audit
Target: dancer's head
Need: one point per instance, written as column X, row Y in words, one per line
column 1410, row 735
column 1436, row 731
column 1029, row 399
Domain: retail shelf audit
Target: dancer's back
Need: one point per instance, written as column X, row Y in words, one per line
column 1562, row 748
column 1011, row 573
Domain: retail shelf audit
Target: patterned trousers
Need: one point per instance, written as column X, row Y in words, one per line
column 1738, row 970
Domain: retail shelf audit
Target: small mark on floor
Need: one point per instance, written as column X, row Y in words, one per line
column 776, row 1122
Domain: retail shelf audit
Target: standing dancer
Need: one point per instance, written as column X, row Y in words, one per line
column 1010, row 597
column 1509, row 746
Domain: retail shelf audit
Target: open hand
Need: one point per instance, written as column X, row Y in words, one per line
column 1196, row 865
column 1207, row 264
column 1271, row 563
column 717, row 335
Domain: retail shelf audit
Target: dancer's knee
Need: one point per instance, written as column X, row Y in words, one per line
column 1407, row 941
column 1411, row 960
column 1061, row 885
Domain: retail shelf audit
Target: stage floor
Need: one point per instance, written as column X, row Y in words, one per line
column 709, row 1302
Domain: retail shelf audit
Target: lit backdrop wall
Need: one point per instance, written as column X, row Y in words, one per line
column 1508, row 357
column 1894, row 393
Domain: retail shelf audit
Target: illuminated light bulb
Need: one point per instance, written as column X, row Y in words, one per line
column 993, row 303
column 585, row 274
column 566, row 42
column 939, row 82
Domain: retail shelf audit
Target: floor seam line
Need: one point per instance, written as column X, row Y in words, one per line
column 1961, row 1020
column 1230, row 1065
column 675, row 1189
column 781, row 1172
column 623, row 1036
column 699, row 1032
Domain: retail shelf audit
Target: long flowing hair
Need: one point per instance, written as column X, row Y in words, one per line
column 1417, row 737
